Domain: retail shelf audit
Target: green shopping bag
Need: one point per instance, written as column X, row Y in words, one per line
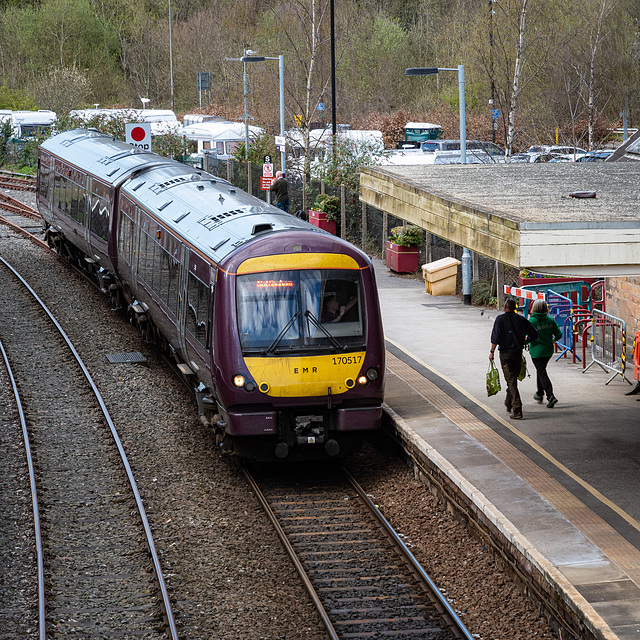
column 493, row 380
column 523, row 369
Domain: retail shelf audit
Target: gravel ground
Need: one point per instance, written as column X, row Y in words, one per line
column 226, row 570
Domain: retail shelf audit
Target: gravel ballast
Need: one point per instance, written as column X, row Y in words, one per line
column 226, row 570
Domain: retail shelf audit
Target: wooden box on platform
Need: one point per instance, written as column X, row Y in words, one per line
column 319, row 219
column 440, row 277
column 402, row 259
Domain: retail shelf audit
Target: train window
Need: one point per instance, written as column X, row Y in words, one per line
column 124, row 241
column 282, row 311
column 198, row 309
column 57, row 194
column 76, row 214
column 99, row 216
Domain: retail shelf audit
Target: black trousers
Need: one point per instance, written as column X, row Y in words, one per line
column 511, row 361
column 542, row 377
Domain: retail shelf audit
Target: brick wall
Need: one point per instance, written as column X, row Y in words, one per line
column 623, row 301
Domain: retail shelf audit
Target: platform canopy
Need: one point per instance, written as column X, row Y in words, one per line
column 522, row 214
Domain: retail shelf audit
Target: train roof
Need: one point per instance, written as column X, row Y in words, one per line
column 213, row 215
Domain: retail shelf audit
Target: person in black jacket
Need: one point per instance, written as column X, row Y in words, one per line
column 509, row 334
column 280, row 191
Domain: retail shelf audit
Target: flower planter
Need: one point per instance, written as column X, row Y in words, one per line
column 402, row 259
column 522, row 282
column 319, row 219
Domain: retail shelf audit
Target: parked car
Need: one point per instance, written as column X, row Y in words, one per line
column 490, row 148
column 566, row 153
column 596, row 156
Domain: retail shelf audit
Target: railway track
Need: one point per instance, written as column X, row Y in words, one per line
column 8, row 203
column 361, row 576
column 21, row 181
column 98, row 572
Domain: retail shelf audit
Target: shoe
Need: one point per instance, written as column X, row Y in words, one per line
column 553, row 401
column 538, row 398
column 516, row 416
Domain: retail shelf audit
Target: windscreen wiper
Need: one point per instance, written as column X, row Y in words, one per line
column 282, row 334
column 315, row 322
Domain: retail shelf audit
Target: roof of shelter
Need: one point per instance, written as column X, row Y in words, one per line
column 522, row 214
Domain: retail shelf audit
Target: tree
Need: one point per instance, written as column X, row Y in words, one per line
column 342, row 164
column 62, row 89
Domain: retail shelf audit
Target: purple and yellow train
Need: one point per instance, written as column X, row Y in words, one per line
column 276, row 323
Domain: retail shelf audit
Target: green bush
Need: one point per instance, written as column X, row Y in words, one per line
column 481, row 294
column 331, row 208
column 406, row 236
column 321, row 197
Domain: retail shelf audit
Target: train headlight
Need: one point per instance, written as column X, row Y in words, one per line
column 239, row 380
column 372, row 374
column 362, row 380
column 250, row 386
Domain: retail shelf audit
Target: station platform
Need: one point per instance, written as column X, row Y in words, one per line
column 560, row 486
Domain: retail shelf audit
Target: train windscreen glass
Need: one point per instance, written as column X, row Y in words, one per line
column 285, row 311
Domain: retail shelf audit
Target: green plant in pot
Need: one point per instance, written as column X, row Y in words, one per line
column 406, row 236
column 329, row 205
column 317, row 205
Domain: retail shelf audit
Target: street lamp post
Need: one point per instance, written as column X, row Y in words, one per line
column 426, row 71
column 250, row 57
column 171, row 55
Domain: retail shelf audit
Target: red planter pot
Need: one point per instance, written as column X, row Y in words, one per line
column 402, row 259
column 319, row 219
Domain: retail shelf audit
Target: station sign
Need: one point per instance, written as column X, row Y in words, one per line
column 138, row 134
column 267, row 170
column 280, row 143
column 265, row 183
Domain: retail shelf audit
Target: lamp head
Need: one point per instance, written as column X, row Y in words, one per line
column 420, row 71
column 252, row 59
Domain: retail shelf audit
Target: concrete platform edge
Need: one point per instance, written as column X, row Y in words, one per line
column 528, row 561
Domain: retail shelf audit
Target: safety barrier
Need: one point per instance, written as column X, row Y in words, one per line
column 608, row 344
column 581, row 293
column 560, row 309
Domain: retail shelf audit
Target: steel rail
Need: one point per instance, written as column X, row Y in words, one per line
column 446, row 611
column 20, row 184
column 292, row 554
column 15, row 206
column 166, row 604
column 42, row 633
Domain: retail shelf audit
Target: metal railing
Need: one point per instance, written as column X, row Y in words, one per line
column 608, row 344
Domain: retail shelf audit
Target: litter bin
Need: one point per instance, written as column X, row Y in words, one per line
column 440, row 277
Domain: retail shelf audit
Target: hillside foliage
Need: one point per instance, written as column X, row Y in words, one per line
column 554, row 73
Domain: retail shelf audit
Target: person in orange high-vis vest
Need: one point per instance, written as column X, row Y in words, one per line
column 636, row 366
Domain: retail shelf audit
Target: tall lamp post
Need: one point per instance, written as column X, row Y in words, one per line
column 249, row 56
column 171, row 55
column 427, row 71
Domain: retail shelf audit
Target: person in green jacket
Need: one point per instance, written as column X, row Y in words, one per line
column 542, row 348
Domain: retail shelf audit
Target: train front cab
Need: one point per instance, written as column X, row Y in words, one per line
column 309, row 383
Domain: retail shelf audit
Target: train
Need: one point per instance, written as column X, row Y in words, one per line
column 274, row 323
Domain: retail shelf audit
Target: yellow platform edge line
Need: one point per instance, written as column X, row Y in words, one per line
column 543, row 452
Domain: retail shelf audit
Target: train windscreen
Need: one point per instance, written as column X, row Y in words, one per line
column 281, row 312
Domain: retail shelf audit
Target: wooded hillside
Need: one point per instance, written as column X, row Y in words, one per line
column 550, row 65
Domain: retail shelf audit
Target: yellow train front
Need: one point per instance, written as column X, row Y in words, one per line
column 298, row 348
